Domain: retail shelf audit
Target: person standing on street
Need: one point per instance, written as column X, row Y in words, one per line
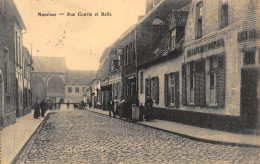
column 37, row 112
column 116, row 102
column 148, row 115
column 43, row 106
column 68, row 104
column 110, row 105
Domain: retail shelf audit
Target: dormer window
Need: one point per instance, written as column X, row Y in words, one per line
column 199, row 16
column 157, row 21
column 173, row 39
column 224, row 15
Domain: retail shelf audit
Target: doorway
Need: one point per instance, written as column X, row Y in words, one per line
column 249, row 98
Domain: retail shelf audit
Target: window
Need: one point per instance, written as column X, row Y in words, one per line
column 147, row 87
column 77, row 89
column 141, row 82
column 2, row 5
column 155, row 89
column 199, row 10
column 172, row 89
column 212, row 79
column 173, row 39
column 249, row 58
column 192, row 81
column 16, row 47
column 133, row 51
column 69, row 89
column 126, row 55
column 6, row 74
column 224, row 15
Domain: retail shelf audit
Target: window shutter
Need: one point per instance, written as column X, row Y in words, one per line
column 184, row 85
column 197, row 84
column 202, row 83
column 221, row 83
column 177, row 103
column 166, row 89
column 157, row 90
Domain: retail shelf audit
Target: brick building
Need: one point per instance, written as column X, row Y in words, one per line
column 220, row 69
column 137, row 40
column 12, row 66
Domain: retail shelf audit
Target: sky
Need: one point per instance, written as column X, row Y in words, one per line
column 80, row 39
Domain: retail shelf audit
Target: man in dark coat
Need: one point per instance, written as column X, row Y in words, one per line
column 43, row 106
column 37, row 112
column 148, row 115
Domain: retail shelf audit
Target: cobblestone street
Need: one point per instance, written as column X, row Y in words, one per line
column 76, row 136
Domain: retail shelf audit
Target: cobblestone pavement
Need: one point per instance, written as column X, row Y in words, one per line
column 85, row 137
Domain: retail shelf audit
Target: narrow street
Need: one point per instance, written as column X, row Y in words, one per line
column 76, row 136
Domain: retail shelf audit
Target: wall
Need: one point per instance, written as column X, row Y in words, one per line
column 169, row 66
column 74, row 97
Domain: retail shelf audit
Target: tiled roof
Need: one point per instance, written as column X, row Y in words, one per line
column 159, row 47
column 49, row 64
column 79, row 77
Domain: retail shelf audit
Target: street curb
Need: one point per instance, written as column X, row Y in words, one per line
column 189, row 136
column 37, row 130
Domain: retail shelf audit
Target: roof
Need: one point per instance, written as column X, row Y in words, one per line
column 49, row 64
column 159, row 46
column 79, row 77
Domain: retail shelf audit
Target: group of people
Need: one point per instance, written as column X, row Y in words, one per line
column 40, row 108
column 113, row 106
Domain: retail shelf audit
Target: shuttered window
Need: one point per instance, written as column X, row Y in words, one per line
column 184, row 85
column 220, row 83
column 200, row 83
column 191, row 82
column 171, row 89
column 147, row 87
column 141, row 82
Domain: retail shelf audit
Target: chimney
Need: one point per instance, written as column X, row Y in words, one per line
column 149, row 5
column 140, row 17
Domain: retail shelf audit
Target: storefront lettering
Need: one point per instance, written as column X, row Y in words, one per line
column 206, row 47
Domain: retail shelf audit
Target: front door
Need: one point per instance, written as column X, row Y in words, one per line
column 249, row 100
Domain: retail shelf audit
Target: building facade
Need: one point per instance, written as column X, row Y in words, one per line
column 12, row 66
column 53, row 81
column 221, row 63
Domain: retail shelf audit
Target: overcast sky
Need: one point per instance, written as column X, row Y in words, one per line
column 80, row 39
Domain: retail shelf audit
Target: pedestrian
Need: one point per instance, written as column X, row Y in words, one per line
column 148, row 113
column 59, row 103
column 43, row 106
column 68, row 104
column 116, row 102
column 37, row 112
column 110, row 105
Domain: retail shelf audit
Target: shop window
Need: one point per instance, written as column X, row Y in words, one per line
column 199, row 14
column 69, row 89
column 249, row 58
column 173, row 39
column 77, row 89
column 224, row 15
column 141, row 82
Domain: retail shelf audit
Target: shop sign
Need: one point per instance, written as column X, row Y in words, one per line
column 247, row 36
column 206, row 47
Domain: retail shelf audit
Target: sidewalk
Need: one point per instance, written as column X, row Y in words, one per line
column 13, row 137
column 197, row 133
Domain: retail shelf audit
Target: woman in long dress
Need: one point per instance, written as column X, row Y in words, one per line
column 37, row 112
